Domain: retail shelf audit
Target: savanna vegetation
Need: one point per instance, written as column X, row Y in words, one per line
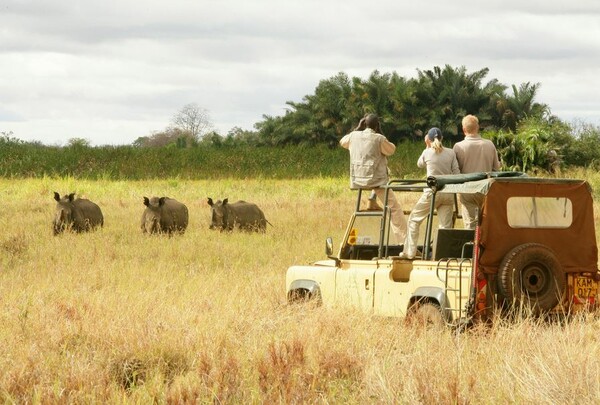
column 116, row 316
column 536, row 147
column 24, row 160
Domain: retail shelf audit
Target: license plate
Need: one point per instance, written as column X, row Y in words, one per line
column 585, row 289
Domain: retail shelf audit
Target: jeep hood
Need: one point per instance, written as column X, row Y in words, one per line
column 325, row 263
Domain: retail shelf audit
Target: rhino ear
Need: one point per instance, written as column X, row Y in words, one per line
column 56, row 196
column 210, row 201
column 225, row 201
column 146, row 201
column 71, row 196
column 161, row 201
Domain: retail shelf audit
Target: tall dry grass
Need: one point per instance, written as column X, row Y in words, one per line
column 115, row 316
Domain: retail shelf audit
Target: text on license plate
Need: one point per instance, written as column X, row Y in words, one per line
column 585, row 288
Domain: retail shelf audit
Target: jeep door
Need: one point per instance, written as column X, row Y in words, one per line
column 354, row 284
column 356, row 273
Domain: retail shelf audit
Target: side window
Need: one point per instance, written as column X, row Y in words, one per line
column 539, row 212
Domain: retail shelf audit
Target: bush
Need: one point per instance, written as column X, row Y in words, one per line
column 584, row 150
column 537, row 144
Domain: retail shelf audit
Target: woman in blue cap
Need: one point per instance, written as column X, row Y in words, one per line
column 438, row 160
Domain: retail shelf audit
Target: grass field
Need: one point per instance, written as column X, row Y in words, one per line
column 115, row 316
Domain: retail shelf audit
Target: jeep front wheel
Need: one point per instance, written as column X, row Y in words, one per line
column 426, row 314
column 302, row 295
column 530, row 276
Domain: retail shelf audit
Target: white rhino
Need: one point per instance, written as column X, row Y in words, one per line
column 79, row 215
column 241, row 214
column 164, row 215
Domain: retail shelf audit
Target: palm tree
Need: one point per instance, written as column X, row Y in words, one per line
column 409, row 117
column 329, row 107
column 453, row 93
column 511, row 109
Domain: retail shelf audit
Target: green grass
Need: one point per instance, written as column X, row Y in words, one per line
column 21, row 160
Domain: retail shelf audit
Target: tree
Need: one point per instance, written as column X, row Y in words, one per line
column 580, row 148
column 513, row 108
column 329, row 109
column 453, row 93
column 194, row 120
column 237, row 135
column 439, row 97
column 179, row 137
column 78, row 142
column 141, row 141
column 213, row 138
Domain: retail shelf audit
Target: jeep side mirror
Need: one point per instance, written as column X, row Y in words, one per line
column 329, row 246
column 329, row 250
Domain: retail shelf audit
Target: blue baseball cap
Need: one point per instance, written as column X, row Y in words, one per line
column 434, row 133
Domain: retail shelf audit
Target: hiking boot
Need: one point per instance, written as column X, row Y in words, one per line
column 373, row 206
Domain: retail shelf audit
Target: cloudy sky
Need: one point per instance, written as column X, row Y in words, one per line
column 111, row 71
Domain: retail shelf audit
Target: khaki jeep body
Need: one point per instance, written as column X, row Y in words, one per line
column 534, row 249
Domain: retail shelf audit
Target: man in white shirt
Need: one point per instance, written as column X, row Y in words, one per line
column 368, row 167
column 474, row 155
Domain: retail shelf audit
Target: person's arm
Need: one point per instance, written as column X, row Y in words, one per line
column 455, row 168
column 458, row 152
column 421, row 161
column 387, row 148
column 497, row 164
column 362, row 125
column 345, row 141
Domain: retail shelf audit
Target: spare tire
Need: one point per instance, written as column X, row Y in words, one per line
column 531, row 277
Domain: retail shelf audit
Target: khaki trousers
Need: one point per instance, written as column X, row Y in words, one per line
column 443, row 204
column 398, row 222
column 470, row 207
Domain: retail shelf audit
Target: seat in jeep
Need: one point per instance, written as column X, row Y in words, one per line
column 453, row 243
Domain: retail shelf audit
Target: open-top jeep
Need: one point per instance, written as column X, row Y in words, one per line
column 534, row 249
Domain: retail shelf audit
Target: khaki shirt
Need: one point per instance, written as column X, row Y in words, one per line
column 475, row 154
column 438, row 163
column 368, row 158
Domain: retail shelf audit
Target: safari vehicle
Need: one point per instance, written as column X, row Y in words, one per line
column 534, row 250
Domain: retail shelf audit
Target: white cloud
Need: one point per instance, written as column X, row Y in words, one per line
column 115, row 70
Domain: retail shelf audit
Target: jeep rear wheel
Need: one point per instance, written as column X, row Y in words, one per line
column 531, row 277
column 426, row 314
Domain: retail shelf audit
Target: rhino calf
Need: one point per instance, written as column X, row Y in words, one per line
column 240, row 214
column 79, row 215
column 164, row 215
